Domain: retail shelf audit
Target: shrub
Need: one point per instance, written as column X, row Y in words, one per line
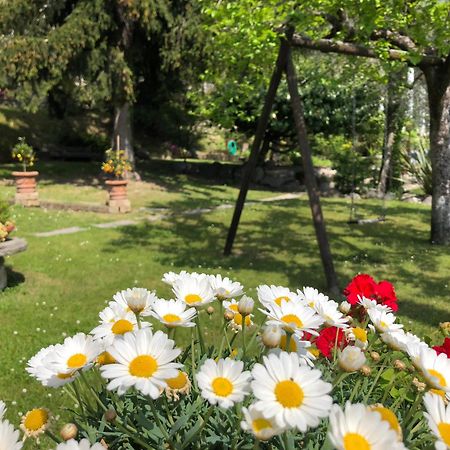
column 418, row 165
column 24, row 153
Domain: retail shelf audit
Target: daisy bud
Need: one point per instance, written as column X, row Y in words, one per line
column 419, row 385
column 210, row 310
column 351, row 359
column 366, row 370
column 345, row 307
column 271, row 336
column 375, row 356
column 245, row 305
column 228, row 315
column 110, row 415
column 399, row 365
column 69, row 431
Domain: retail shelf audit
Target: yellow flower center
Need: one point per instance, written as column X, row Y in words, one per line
column 360, row 334
column 314, row 351
column 190, row 299
column 438, row 392
column 105, row 358
column 444, row 431
column 35, row 419
column 292, row 343
column 388, row 416
column 122, row 326
column 76, row 361
column 238, row 320
column 260, row 424
column 143, row 366
column 65, row 376
column 278, row 300
column 292, row 319
column 383, row 324
column 179, row 382
column 439, row 376
column 234, row 307
column 171, row 318
column 289, row 394
column 354, row 441
column 222, row 386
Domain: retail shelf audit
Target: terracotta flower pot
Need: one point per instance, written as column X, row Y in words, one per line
column 118, row 196
column 26, row 188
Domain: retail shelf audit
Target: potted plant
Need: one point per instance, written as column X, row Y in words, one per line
column 26, row 185
column 117, row 165
column 7, row 226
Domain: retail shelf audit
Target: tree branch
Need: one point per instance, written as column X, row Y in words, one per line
column 347, row 48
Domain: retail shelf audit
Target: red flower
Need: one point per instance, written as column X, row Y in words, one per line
column 385, row 294
column 326, row 340
column 444, row 348
column 361, row 285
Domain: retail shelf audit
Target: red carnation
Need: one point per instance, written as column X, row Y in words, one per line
column 326, row 340
column 362, row 285
column 385, row 294
column 444, row 348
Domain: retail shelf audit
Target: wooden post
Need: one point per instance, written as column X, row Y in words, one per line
column 260, row 132
column 310, row 179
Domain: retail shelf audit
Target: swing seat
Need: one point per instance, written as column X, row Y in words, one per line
column 364, row 221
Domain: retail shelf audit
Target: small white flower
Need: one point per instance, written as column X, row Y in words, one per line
column 399, row 340
column 296, row 346
column 438, row 417
column 435, row 368
column 84, row 444
column 9, row 437
column 137, row 300
column 225, row 288
column 311, row 297
column 383, row 321
column 223, row 383
column 245, row 305
column 369, row 304
column 351, row 359
column 293, row 317
column 358, row 336
column 171, row 277
column 271, row 336
column 330, row 313
column 173, row 313
column 143, row 360
column 193, row 290
column 269, row 295
column 290, row 392
column 254, row 422
column 345, row 307
column 356, row 428
column 236, row 322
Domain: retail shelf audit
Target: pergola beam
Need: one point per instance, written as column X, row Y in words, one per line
column 348, row 48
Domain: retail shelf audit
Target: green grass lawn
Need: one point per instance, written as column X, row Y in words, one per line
column 60, row 283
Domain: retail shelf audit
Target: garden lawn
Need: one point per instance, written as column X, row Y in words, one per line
column 60, row 283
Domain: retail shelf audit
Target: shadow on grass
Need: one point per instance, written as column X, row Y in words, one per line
column 14, row 278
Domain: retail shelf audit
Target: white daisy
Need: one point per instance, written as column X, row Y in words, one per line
column 295, row 345
column 383, row 321
column 311, row 297
column 236, row 321
column 115, row 322
column 438, row 417
column 399, row 340
column 358, row 336
column 143, row 361
column 367, row 304
column 39, row 368
column 356, row 428
column 137, row 300
column 84, row 444
column 388, row 416
column 435, row 368
column 293, row 317
column 173, row 313
column 76, row 353
column 3, row 409
column 171, row 277
column 290, row 391
column 269, row 295
column 351, row 359
column 9, row 437
column 254, row 422
column 193, row 290
column 329, row 311
column 224, row 288
column 223, row 383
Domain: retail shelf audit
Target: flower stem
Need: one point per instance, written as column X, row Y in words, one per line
column 52, row 436
column 243, row 336
column 138, row 320
column 160, row 425
column 200, row 334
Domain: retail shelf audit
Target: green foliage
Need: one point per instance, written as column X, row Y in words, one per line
column 24, row 153
column 5, row 211
column 418, row 164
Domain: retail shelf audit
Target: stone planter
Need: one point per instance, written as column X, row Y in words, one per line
column 26, row 188
column 9, row 247
column 118, row 196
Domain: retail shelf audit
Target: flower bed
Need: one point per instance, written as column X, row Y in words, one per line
column 314, row 374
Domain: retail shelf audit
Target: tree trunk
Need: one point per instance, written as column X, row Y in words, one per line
column 123, row 135
column 393, row 121
column 438, row 84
